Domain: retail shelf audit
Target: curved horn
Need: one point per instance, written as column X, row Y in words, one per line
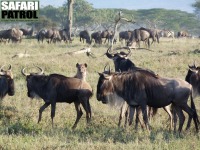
column 194, row 64
column 108, row 69
column 41, row 70
column 108, row 51
column 1, row 69
column 23, row 72
column 10, row 67
column 129, row 51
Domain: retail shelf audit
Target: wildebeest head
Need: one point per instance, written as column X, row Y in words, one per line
column 104, row 87
column 7, row 82
column 118, row 54
column 32, row 79
column 193, row 77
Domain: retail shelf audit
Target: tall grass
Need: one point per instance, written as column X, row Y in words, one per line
column 19, row 114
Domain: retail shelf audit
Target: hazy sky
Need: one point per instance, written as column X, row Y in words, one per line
column 184, row 5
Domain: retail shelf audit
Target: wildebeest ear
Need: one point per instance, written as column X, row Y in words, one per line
column 100, row 73
column 77, row 65
column 85, row 65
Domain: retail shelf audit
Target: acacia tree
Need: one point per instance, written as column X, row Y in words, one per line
column 196, row 5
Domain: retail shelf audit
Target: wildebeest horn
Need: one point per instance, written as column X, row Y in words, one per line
column 108, row 51
column 9, row 69
column 41, row 70
column 108, row 69
column 23, row 72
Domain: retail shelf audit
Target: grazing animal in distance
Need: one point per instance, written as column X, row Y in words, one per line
column 81, row 71
column 97, row 37
column 85, row 35
column 55, row 88
column 142, row 87
column 13, row 34
column 6, row 82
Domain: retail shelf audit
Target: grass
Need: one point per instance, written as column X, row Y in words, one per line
column 19, row 114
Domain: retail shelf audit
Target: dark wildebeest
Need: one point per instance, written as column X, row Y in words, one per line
column 26, row 32
column 125, row 35
column 56, row 88
column 142, row 87
column 6, row 82
column 107, row 35
column 81, row 71
column 193, row 77
column 139, row 35
column 52, row 35
column 122, row 63
column 97, row 37
column 85, row 35
column 14, row 34
column 64, row 35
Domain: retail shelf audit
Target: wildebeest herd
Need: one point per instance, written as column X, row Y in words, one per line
column 54, row 35
column 136, row 89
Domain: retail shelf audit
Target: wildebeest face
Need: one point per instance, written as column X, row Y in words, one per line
column 11, row 88
column 104, row 87
column 31, row 82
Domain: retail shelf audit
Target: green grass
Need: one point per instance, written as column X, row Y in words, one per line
column 19, row 114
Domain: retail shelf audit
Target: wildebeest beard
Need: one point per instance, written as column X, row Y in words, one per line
column 113, row 100
column 33, row 95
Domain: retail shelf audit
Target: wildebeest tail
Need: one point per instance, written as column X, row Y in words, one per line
column 194, row 108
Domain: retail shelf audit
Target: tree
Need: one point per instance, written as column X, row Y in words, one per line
column 196, row 5
column 70, row 17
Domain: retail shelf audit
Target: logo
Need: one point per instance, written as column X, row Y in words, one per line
column 19, row 10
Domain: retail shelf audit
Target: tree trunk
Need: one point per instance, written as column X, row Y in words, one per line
column 70, row 16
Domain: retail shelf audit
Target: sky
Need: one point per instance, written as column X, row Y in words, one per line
column 184, row 5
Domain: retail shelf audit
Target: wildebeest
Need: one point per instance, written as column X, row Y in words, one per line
column 56, row 88
column 97, row 37
column 107, row 35
column 153, row 34
column 125, row 35
column 182, row 34
column 13, row 34
column 142, row 87
column 85, row 35
column 27, row 32
column 166, row 33
column 64, row 35
column 193, row 77
column 121, row 61
column 52, row 35
column 81, row 71
column 6, row 82
column 139, row 35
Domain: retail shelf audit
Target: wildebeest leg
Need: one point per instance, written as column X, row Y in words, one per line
column 123, row 110
column 167, row 109
column 53, row 109
column 41, row 110
column 79, row 114
column 191, row 114
column 138, row 118
column 145, row 117
column 131, row 110
column 86, row 106
column 181, row 117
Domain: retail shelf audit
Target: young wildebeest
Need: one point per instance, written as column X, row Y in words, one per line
column 81, row 71
column 55, row 88
column 142, row 87
column 122, row 63
column 6, row 82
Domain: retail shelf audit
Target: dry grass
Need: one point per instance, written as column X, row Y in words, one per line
column 18, row 114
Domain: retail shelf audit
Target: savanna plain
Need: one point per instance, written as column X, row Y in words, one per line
column 19, row 114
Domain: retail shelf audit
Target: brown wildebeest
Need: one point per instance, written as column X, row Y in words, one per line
column 125, row 35
column 56, row 88
column 81, row 71
column 6, row 82
column 139, row 35
column 182, row 34
column 13, row 34
column 142, row 87
column 27, row 32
